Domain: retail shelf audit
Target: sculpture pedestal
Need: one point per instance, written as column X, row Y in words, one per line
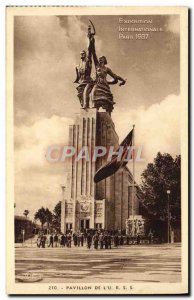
column 86, row 204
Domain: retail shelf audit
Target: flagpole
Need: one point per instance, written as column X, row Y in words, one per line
column 133, row 186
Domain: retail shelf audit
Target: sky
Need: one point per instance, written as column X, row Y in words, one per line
column 46, row 51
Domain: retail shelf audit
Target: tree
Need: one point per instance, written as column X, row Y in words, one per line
column 49, row 217
column 26, row 213
column 57, row 209
column 57, row 215
column 44, row 215
column 162, row 175
column 41, row 216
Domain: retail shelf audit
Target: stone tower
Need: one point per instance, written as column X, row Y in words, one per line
column 85, row 204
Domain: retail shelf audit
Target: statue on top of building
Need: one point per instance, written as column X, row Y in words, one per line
column 95, row 92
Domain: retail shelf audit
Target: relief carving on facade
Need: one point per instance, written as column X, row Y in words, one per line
column 69, row 208
column 98, row 208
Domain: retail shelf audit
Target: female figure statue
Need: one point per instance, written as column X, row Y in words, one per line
column 101, row 94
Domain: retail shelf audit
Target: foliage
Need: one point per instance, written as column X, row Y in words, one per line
column 49, row 217
column 26, row 213
column 162, row 175
column 57, row 215
column 44, row 215
column 57, row 209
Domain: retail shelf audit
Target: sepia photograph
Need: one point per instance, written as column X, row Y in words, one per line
column 97, row 157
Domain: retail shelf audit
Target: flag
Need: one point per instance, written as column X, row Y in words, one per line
column 114, row 165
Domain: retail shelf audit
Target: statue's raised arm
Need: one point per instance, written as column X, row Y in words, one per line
column 102, row 62
column 91, row 48
column 101, row 95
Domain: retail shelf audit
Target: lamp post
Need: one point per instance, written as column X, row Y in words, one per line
column 63, row 190
column 168, row 208
column 23, row 239
column 63, row 223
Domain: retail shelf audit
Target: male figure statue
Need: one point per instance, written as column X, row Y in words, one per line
column 83, row 71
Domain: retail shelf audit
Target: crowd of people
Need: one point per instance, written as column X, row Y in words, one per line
column 101, row 240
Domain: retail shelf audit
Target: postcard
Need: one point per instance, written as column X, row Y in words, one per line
column 97, row 150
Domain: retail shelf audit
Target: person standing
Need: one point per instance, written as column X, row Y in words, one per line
column 138, row 239
column 43, row 240
column 106, row 241
column 116, row 240
column 109, row 241
column 69, row 240
column 89, row 240
column 121, row 240
column 51, row 241
column 62, row 240
column 75, row 239
column 56, row 240
column 38, row 242
column 101, row 239
column 150, row 237
column 59, row 239
column 127, row 240
column 65, row 240
column 95, row 240
column 78, row 239
column 82, row 239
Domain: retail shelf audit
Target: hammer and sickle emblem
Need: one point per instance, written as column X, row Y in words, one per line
column 94, row 30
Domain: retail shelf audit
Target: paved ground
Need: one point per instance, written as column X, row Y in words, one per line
column 137, row 263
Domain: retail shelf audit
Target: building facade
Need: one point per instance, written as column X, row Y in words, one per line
column 85, row 205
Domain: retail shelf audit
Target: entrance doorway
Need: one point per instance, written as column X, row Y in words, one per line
column 68, row 227
column 98, row 226
column 84, row 224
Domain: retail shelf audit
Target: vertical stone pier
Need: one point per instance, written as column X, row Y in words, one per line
column 86, row 204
